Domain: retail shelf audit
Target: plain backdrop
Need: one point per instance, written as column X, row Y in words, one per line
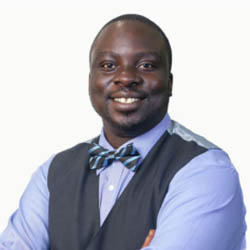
column 44, row 102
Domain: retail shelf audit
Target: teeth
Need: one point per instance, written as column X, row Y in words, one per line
column 126, row 100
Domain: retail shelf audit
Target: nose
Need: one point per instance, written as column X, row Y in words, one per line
column 127, row 77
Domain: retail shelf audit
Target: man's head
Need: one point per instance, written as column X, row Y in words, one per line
column 130, row 80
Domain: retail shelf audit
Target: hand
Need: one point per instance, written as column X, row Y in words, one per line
column 149, row 238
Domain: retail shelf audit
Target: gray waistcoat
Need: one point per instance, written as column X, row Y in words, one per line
column 74, row 222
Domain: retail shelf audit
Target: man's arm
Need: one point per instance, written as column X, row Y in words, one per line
column 203, row 208
column 28, row 226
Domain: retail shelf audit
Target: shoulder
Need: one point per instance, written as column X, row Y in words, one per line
column 189, row 136
column 73, row 152
column 203, row 196
column 67, row 161
column 209, row 177
column 211, row 170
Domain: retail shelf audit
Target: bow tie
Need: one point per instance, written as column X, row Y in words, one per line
column 101, row 157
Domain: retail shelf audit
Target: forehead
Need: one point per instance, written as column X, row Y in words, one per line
column 129, row 37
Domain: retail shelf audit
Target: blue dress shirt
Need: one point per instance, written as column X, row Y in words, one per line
column 203, row 209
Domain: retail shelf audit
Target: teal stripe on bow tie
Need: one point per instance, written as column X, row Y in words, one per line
column 101, row 157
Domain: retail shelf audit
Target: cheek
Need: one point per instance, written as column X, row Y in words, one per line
column 98, row 92
column 95, row 90
column 158, row 97
column 158, row 87
column 98, row 83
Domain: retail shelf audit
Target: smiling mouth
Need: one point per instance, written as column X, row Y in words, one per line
column 128, row 100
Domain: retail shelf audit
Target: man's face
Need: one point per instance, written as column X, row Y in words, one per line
column 129, row 81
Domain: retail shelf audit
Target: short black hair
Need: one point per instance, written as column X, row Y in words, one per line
column 142, row 19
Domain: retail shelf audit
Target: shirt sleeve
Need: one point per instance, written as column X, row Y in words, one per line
column 28, row 226
column 203, row 209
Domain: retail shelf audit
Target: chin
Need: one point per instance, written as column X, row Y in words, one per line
column 131, row 126
column 133, row 123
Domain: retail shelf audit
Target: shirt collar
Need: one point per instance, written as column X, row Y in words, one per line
column 144, row 142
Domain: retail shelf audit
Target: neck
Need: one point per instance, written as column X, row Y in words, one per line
column 117, row 136
column 116, row 140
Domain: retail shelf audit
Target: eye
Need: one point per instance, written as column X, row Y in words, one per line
column 147, row 66
column 108, row 66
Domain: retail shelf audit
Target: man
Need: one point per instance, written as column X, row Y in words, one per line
column 146, row 181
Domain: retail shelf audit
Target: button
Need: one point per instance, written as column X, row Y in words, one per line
column 111, row 187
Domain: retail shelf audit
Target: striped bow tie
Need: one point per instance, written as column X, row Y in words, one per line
column 101, row 157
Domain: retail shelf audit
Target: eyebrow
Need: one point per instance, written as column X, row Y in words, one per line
column 140, row 54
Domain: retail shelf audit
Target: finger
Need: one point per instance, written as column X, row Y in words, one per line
column 149, row 238
column 151, row 233
column 146, row 242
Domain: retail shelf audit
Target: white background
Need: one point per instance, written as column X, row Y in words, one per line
column 44, row 103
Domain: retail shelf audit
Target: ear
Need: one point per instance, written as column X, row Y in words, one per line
column 170, row 84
